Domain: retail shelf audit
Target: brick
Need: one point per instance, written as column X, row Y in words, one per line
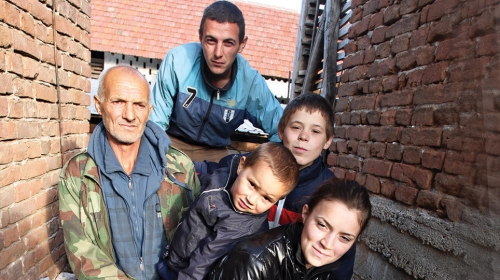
column 381, row 68
column 486, row 45
column 353, row 60
column 363, row 102
column 376, row 20
column 383, row 50
column 358, row 133
column 350, row 162
column 364, row 149
column 387, row 188
column 428, row 199
column 492, row 145
column 14, row 63
column 372, row 184
column 370, row 7
column 23, row 88
column 348, row 89
column 16, row 109
column 408, row 6
column 400, row 98
column 390, row 83
column 423, row 116
column 419, row 37
column 434, row 94
column 9, row 130
column 384, row 134
column 360, row 178
column 26, row 45
column 388, row 118
column 373, row 117
column 406, row 194
column 403, row 117
column 477, row 197
column 12, row 15
column 8, row 192
column 332, row 159
column 339, row 173
column 345, row 117
column 352, row 146
column 457, row 48
column 442, row 29
column 377, row 167
column 355, row 118
column 405, row 24
column 446, row 116
column 432, row 159
column 453, row 208
column 448, row 184
column 391, row 14
column 402, row 172
column 378, row 150
column 359, row 28
column 424, row 55
column 6, row 39
column 400, row 43
column 441, row 8
column 423, row 178
column 434, row 73
column 411, row 154
column 454, row 163
column 358, row 73
column 342, row 147
column 28, row 23
column 421, row 136
column 44, row 92
column 31, row 67
column 378, row 35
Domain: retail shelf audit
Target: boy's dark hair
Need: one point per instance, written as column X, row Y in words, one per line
column 224, row 11
column 348, row 192
column 310, row 102
column 280, row 160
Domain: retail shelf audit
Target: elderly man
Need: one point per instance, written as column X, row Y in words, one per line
column 205, row 90
column 121, row 199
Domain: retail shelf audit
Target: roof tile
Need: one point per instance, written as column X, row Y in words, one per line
column 147, row 27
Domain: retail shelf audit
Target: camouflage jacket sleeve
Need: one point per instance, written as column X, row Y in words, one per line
column 178, row 190
column 84, row 221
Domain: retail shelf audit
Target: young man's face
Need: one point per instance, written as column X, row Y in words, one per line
column 256, row 188
column 220, row 46
column 305, row 136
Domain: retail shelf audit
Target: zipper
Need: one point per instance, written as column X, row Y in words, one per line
column 205, row 120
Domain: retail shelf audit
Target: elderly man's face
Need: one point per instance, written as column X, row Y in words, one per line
column 125, row 108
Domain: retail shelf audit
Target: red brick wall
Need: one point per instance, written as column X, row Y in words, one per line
column 417, row 118
column 418, row 122
column 36, row 124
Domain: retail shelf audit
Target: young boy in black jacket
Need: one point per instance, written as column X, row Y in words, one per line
column 234, row 204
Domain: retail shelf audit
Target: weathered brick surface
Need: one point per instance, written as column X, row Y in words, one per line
column 419, row 103
column 30, row 160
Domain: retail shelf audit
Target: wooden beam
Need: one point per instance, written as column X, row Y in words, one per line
column 315, row 58
column 329, row 89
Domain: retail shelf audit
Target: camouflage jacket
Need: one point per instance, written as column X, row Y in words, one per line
column 84, row 216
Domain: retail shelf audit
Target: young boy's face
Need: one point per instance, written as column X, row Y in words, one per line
column 305, row 136
column 251, row 192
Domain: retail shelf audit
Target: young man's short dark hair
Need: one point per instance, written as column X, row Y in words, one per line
column 224, row 11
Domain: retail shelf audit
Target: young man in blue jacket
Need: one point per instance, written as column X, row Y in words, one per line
column 205, row 90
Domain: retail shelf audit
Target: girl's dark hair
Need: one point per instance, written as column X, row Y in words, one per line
column 224, row 11
column 280, row 160
column 348, row 192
